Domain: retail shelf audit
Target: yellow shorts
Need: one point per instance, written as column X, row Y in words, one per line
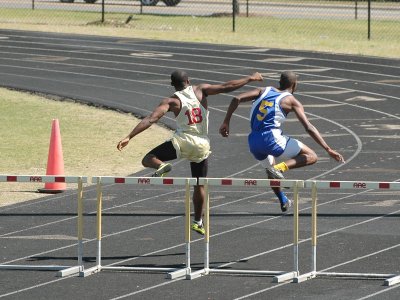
column 192, row 147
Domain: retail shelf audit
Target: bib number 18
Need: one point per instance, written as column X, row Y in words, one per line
column 194, row 116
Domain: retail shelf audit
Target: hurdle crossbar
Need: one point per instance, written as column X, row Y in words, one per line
column 279, row 275
column 390, row 279
column 63, row 270
column 100, row 180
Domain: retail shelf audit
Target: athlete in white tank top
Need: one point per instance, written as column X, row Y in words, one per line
column 193, row 117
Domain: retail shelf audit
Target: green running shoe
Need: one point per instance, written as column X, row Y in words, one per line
column 199, row 229
column 162, row 170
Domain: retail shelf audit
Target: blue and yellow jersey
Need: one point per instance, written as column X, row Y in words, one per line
column 266, row 113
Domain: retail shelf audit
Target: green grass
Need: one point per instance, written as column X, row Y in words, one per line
column 339, row 36
column 89, row 137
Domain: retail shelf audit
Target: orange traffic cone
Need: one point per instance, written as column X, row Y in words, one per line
column 55, row 161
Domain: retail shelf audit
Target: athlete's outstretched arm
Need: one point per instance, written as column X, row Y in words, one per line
column 298, row 108
column 244, row 97
column 145, row 123
column 229, row 86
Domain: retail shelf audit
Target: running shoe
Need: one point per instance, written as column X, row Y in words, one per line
column 274, row 173
column 198, row 228
column 285, row 206
column 162, row 170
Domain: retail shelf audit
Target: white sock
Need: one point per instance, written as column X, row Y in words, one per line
column 200, row 223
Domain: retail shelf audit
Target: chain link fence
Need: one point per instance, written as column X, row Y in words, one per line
column 297, row 20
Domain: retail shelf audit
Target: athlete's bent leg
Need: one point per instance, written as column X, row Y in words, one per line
column 305, row 157
column 155, row 157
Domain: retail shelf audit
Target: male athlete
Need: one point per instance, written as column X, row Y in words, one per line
column 190, row 140
column 269, row 110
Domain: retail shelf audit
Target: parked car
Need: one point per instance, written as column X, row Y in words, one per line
column 144, row 2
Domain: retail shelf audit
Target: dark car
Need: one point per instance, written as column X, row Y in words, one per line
column 144, row 2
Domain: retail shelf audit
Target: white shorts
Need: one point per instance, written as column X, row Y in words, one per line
column 192, row 147
column 292, row 149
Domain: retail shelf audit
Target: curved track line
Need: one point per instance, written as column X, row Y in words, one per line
column 152, row 46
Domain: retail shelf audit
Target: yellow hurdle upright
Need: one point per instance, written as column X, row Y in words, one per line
column 171, row 272
column 279, row 275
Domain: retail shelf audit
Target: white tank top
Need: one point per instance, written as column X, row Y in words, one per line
column 193, row 117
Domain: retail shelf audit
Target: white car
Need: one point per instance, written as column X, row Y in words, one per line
column 144, row 2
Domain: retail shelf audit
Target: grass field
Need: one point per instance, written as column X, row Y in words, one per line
column 89, row 138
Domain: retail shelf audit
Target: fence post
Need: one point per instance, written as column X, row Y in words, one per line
column 356, row 9
column 235, row 10
column 102, row 11
column 369, row 19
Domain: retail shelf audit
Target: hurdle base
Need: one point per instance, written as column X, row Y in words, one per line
column 197, row 274
column 392, row 281
column 98, row 269
column 179, row 273
column 285, row 277
column 34, row 267
column 140, row 269
column 70, row 271
column 305, row 277
column 355, row 275
column 90, row 271
column 245, row 272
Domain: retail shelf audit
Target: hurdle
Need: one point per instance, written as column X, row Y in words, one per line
column 169, row 181
column 389, row 279
column 62, row 270
column 279, row 276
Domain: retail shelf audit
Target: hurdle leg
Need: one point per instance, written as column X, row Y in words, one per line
column 206, row 269
column 392, row 281
column 96, row 268
column 79, row 267
column 313, row 272
column 290, row 275
column 187, row 270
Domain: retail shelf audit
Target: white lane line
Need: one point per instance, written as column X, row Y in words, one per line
column 354, row 105
column 190, row 69
column 183, row 47
column 150, row 54
column 326, row 92
column 387, row 289
column 35, row 286
column 72, row 218
column 365, row 99
column 248, row 50
column 277, row 72
column 148, row 288
column 282, row 59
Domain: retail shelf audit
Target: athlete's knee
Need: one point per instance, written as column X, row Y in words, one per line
column 310, row 155
column 147, row 159
column 312, row 158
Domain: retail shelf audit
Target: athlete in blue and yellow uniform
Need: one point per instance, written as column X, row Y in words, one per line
column 266, row 142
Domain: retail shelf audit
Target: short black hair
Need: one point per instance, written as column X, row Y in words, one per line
column 178, row 78
column 288, row 78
